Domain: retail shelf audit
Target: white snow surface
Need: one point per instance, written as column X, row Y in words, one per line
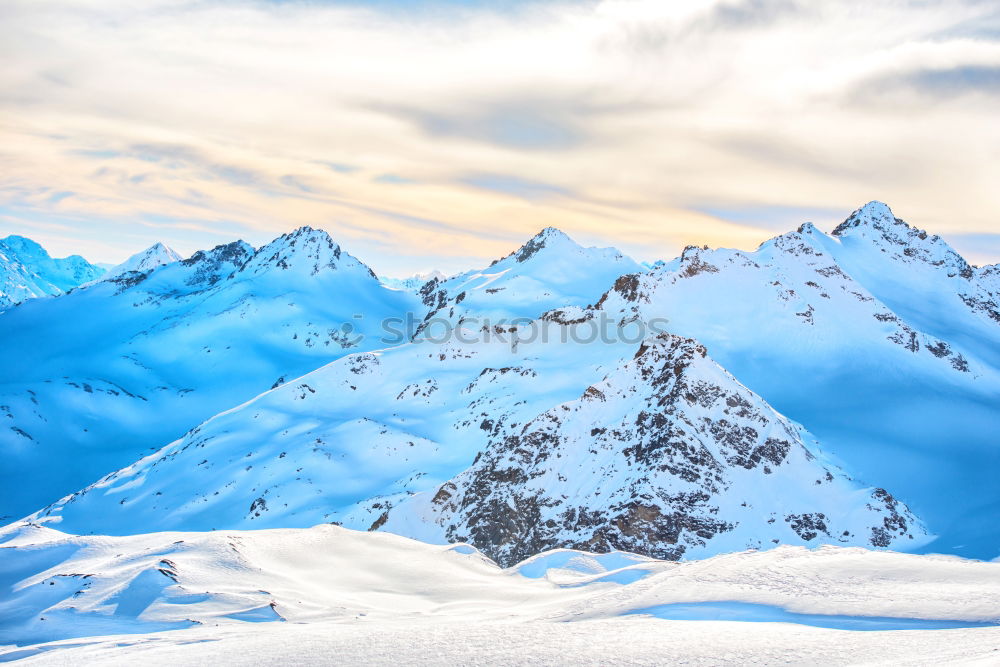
column 326, row 593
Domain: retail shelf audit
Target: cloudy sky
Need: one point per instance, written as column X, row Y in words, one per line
column 442, row 134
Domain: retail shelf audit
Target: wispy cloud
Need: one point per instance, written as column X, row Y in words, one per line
column 639, row 123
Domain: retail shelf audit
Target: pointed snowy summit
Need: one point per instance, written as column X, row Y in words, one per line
column 875, row 220
column 550, row 238
column 305, row 250
column 153, row 257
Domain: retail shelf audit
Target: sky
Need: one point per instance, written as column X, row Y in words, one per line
column 444, row 134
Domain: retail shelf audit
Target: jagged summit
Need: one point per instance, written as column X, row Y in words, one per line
column 305, row 250
column 210, row 266
column 550, row 237
column 878, row 218
column 875, row 226
column 549, row 271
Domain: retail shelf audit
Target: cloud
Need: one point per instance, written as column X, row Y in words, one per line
column 393, row 179
column 780, row 219
column 638, row 123
column 954, row 81
column 524, row 125
column 519, row 187
column 752, row 13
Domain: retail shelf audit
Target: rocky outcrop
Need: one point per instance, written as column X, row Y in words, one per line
column 668, row 456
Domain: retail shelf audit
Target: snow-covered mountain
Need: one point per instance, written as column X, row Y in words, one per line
column 414, row 282
column 503, row 429
column 340, row 443
column 27, row 271
column 667, row 456
column 921, row 278
column 548, row 271
column 880, row 339
column 152, row 257
column 96, row 378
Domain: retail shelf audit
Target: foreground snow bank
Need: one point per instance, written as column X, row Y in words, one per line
column 632, row 641
column 380, row 597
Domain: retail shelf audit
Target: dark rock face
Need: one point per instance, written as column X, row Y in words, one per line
column 627, row 286
column 129, row 280
column 214, row 265
column 665, row 455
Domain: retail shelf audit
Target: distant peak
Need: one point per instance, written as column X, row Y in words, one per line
column 158, row 249
column 305, row 248
column 306, row 230
column 874, row 214
column 24, row 245
column 875, row 225
column 548, row 237
column 552, row 233
column 212, row 265
column 876, row 209
column 152, row 257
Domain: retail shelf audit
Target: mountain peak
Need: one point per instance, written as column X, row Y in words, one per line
column 547, row 238
column 159, row 250
column 211, row 266
column 873, row 215
column 874, row 224
column 667, row 456
column 151, row 258
column 25, row 247
column 552, row 233
column 27, row 271
column 305, row 249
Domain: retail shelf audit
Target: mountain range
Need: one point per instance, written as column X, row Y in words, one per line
column 838, row 388
column 27, row 271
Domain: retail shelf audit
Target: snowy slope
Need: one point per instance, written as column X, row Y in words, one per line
column 232, row 584
column 341, row 443
column 892, row 399
column 98, row 377
column 548, row 271
column 921, row 278
column 27, row 271
column 667, row 456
